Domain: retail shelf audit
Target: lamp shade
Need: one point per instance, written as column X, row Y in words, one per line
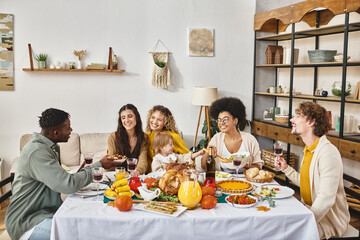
column 204, row 96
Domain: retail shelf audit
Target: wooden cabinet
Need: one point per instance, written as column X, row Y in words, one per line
column 316, row 14
column 349, row 149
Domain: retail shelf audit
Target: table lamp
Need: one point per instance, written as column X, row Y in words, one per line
column 204, row 96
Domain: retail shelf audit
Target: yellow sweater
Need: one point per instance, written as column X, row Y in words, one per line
column 305, row 189
column 179, row 146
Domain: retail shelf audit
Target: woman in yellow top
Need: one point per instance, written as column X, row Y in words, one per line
column 130, row 139
column 160, row 119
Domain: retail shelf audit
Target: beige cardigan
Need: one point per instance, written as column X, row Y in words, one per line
column 328, row 197
column 250, row 144
column 142, row 165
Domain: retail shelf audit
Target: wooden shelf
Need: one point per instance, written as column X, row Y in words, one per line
column 110, row 64
column 306, row 96
column 74, row 70
column 311, row 33
column 323, row 64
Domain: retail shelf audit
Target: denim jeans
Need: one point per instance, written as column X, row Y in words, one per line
column 42, row 230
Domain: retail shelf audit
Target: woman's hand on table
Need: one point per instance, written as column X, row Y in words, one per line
column 280, row 163
column 135, row 173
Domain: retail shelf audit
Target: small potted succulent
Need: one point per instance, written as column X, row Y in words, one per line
column 41, row 58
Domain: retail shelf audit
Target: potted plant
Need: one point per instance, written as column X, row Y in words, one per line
column 41, row 58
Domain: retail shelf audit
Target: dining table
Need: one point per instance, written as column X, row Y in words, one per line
column 90, row 218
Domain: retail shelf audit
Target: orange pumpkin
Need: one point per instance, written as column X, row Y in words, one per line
column 207, row 190
column 123, row 203
column 208, row 202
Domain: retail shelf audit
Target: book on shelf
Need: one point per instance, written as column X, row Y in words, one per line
column 287, row 55
column 96, row 66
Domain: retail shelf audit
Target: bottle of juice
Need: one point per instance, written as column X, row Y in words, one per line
column 190, row 191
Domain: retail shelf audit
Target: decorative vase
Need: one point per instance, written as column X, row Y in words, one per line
column 337, row 88
column 42, row 64
column 79, row 65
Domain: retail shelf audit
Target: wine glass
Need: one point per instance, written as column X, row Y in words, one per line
column 237, row 163
column 98, row 175
column 88, row 157
column 278, row 151
column 131, row 165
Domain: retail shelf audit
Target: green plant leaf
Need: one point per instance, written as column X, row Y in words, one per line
column 160, row 64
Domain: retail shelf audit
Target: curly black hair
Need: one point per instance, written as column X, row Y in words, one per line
column 229, row 104
column 52, row 117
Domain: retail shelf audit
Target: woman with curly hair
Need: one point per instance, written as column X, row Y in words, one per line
column 230, row 113
column 160, row 119
column 129, row 138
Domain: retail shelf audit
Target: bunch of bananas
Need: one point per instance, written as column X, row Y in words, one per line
column 120, row 187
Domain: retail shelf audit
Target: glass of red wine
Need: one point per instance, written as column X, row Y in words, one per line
column 237, row 163
column 278, row 151
column 88, row 158
column 131, row 164
column 98, row 175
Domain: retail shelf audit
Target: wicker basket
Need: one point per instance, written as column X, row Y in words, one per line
column 282, row 118
column 260, row 180
column 268, row 157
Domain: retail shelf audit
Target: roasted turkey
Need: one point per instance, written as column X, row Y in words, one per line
column 170, row 182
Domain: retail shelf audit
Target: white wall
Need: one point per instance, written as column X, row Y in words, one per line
column 131, row 28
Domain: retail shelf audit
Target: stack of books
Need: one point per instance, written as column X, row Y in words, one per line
column 96, row 66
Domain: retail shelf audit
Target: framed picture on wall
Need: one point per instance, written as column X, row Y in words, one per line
column 201, row 42
column 6, row 52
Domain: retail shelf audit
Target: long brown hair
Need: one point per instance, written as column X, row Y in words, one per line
column 122, row 139
column 169, row 124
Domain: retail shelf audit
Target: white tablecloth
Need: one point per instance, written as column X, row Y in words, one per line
column 88, row 219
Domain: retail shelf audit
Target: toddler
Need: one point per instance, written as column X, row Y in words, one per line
column 163, row 146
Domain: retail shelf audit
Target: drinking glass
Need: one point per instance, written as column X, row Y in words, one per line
column 278, row 151
column 88, row 158
column 98, row 175
column 131, row 165
column 119, row 169
column 237, row 163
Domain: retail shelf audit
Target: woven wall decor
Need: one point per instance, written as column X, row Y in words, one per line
column 161, row 73
column 160, row 77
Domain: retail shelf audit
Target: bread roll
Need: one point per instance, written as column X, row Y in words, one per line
column 253, row 172
column 263, row 174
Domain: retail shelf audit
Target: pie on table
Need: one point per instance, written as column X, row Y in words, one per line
column 234, row 186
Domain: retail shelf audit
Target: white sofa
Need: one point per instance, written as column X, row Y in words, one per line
column 72, row 152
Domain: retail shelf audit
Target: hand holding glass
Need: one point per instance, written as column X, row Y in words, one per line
column 88, row 157
column 98, row 174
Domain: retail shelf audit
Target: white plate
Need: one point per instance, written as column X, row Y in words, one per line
column 231, row 166
column 241, row 205
column 90, row 190
column 283, row 192
column 113, row 198
column 222, row 175
column 156, row 175
column 180, row 209
column 111, row 175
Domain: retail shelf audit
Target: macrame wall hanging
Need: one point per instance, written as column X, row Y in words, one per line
column 161, row 72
